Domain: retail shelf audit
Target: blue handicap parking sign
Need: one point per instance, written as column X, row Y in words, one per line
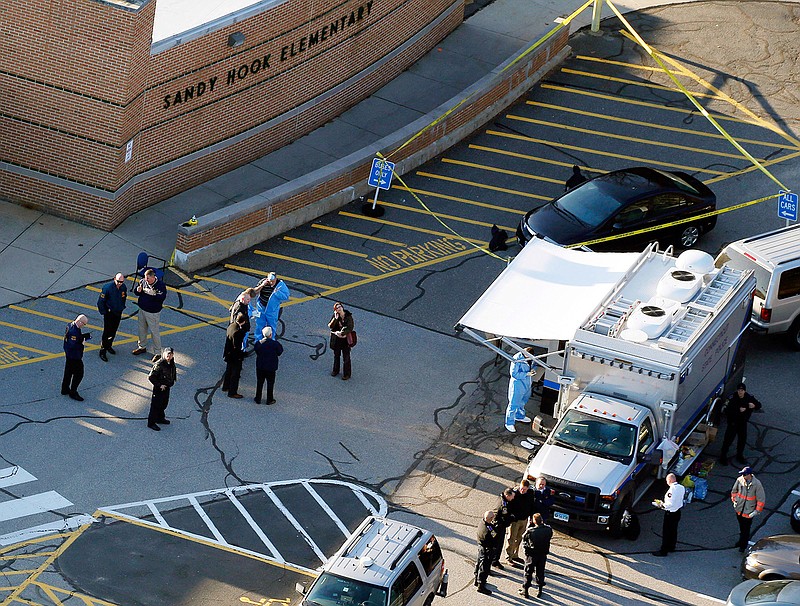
column 380, row 175
column 787, row 206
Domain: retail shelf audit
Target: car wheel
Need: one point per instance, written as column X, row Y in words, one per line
column 772, row 577
column 429, row 601
column 794, row 334
column 795, row 519
column 689, row 236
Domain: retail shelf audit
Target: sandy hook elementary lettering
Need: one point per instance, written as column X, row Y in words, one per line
column 299, row 46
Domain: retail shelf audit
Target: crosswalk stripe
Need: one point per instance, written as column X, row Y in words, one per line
column 11, row 476
column 51, row 528
column 37, row 503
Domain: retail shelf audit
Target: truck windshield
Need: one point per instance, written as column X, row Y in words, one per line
column 332, row 590
column 601, row 436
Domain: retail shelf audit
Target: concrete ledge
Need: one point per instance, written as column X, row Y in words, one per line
column 235, row 228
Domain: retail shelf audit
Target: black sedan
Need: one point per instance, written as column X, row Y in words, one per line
column 623, row 201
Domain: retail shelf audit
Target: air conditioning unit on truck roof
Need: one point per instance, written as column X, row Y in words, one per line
column 652, row 342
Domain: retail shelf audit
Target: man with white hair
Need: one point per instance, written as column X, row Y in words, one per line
column 267, row 352
column 73, row 352
column 111, row 304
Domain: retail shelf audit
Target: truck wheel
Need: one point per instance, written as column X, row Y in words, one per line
column 615, row 526
column 795, row 519
column 429, row 601
column 689, row 236
column 794, row 334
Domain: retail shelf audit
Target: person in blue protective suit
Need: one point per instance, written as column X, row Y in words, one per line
column 519, row 389
column 266, row 307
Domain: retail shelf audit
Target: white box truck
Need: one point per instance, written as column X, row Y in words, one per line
column 662, row 344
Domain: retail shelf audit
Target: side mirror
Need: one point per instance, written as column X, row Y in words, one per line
column 300, row 588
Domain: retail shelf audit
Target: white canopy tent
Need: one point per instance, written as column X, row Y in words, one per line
column 545, row 293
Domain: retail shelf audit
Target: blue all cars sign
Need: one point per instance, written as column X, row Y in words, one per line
column 381, row 174
column 787, row 206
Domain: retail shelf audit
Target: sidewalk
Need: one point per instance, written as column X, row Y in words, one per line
column 41, row 254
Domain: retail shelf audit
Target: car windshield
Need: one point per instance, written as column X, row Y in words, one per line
column 592, row 203
column 766, row 592
column 603, row 437
column 331, row 590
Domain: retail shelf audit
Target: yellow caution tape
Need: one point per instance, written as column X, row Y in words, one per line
column 516, row 60
column 673, row 223
column 691, row 98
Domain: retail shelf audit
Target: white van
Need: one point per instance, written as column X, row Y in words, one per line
column 384, row 563
column 775, row 259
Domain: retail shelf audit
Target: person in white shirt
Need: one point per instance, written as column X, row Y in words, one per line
column 672, row 503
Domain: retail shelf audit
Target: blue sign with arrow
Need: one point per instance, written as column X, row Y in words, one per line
column 381, row 174
column 787, row 205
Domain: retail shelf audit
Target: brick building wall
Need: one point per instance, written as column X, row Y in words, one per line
column 82, row 88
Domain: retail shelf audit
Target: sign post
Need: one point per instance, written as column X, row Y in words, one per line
column 787, row 206
column 380, row 177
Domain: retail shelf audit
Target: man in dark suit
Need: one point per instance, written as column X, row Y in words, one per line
column 233, row 355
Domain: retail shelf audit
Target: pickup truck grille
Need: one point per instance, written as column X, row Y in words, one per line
column 570, row 495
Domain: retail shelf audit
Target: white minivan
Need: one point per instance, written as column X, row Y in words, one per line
column 774, row 257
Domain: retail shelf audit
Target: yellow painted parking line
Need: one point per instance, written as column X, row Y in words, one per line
column 409, row 227
column 10, row 356
column 32, row 330
column 325, row 247
column 94, row 307
column 356, row 234
column 743, row 171
column 512, row 154
column 59, row 318
column 15, row 596
column 25, row 347
column 626, row 101
column 608, row 135
column 590, row 150
column 504, row 190
column 650, row 85
column 341, row 270
column 683, row 70
column 285, row 278
column 397, row 272
column 435, row 194
column 31, row 360
column 192, row 312
column 422, row 211
column 218, row 281
column 502, row 171
column 638, row 66
column 675, row 129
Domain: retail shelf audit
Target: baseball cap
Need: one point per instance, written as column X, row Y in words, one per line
column 746, row 471
column 741, row 386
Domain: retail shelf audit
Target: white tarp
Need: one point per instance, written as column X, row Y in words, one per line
column 546, row 292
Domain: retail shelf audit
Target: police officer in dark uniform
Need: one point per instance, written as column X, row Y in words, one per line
column 738, row 410
column 111, row 304
column 536, row 542
column 73, row 352
column 504, row 515
column 487, row 539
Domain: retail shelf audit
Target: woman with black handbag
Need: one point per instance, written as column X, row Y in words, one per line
column 343, row 338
